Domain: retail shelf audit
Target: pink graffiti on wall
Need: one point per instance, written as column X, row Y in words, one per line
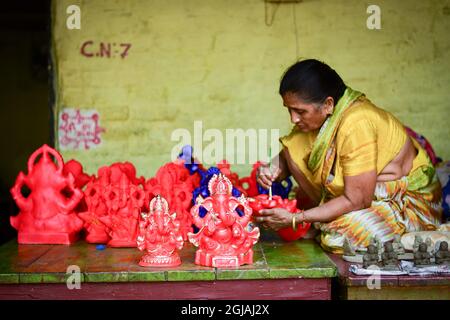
column 79, row 129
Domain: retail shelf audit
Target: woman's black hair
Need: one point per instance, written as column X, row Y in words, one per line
column 312, row 81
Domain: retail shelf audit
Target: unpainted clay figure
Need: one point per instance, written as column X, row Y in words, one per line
column 348, row 248
column 422, row 257
column 389, row 257
column 371, row 257
column 397, row 245
column 442, row 255
column 417, row 241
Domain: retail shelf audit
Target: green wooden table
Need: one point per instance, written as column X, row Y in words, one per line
column 296, row 270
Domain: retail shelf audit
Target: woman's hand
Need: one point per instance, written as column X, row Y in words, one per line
column 266, row 175
column 275, row 219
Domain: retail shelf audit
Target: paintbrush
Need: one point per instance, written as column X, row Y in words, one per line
column 270, row 169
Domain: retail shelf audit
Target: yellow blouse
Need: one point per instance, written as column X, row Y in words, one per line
column 367, row 138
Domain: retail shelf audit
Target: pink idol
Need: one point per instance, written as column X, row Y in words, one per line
column 160, row 236
column 175, row 184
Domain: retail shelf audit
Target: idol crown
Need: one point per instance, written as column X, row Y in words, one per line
column 160, row 204
column 220, row 184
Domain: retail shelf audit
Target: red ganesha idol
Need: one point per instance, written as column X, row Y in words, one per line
column 113, row 200
column 124, row 202
column 226, row 236
column 264, row 201
column 173, row 182
column 47, row 215
column 96, row 231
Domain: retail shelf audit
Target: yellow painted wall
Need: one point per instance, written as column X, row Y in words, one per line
column 218, row 61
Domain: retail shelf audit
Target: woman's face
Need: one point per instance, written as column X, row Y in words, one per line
column 307, row 116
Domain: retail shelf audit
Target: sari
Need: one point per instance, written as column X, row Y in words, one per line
column 356, row 138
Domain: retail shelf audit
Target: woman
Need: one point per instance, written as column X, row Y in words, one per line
column 355, row 161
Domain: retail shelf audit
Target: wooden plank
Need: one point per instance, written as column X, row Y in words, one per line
column 258, row 270
column 108, row 265
column 313, row 289
column 399, row 293
column 297, row 259
column 188, row 270
column 114, row 273
column 34, row 264
column 347, row 278
column 52, row 266
column 426, row 280
column 136, row 273
column 16, row 259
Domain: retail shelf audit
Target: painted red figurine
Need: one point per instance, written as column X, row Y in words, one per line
column 47, row 214
column 263, row 201
column 160, row 236
column 125, row 202
column 76, row 169
column 81, row 180
column 226, row 236
column 96, row 231
column 114, row 201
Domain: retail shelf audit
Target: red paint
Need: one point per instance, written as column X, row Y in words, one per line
column 126, row 47
column 262, row 201
column 159, row 236
column 225, row 239
column 83, row 49
column 79, row 128
column 104, row 49
column 47, row 215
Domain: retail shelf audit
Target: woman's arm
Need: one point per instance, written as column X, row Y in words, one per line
column 358, row 194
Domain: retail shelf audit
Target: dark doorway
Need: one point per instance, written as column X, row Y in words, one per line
column 25, row 116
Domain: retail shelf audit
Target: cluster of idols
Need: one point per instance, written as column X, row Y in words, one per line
column 157, row 216
column 388, row 254
column 225, row 238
